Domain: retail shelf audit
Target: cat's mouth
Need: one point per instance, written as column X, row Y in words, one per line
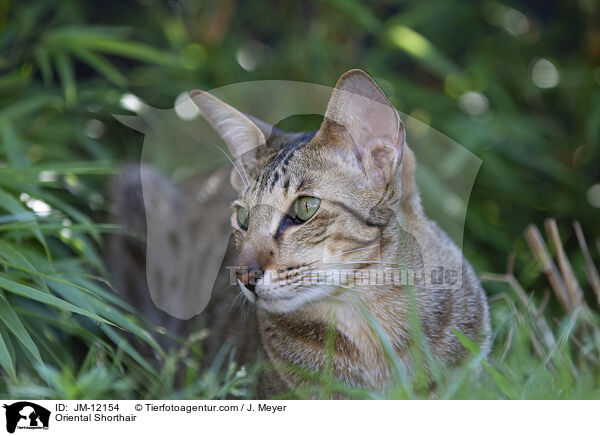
column 284, row 299
column 251, row 296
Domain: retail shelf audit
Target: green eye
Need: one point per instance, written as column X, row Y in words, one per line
column 305, row 207
column 243, row 216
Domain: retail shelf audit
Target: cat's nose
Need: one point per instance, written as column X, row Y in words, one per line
column 249, row 277
column 255, row 257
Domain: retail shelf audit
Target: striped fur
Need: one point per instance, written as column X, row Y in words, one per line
column 370, row 217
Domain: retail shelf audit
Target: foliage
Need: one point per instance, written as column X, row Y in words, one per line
column 517, row 84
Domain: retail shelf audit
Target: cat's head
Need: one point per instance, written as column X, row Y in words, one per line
column 314, row 202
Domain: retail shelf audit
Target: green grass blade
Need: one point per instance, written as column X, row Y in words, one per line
column 43, row 60
column 13, row 148
column 64, row 67
column 123, row 344
column 27, row 106
column 100, row 64
column 421, row 49
column 7, row 355
column 14, row 206
column 16, row 257
column 130, row 49
column 42, row 297
column 12, row 321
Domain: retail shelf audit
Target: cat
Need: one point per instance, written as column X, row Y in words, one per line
column 319, row 220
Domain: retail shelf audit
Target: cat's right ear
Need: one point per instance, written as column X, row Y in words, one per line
column 242, row 136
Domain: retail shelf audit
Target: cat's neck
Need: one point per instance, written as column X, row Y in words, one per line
column 354, row 321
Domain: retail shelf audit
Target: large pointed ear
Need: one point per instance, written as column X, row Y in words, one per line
column 371, row 121
column 243, row 136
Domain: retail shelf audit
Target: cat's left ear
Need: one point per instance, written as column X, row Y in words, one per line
column 361, row 107
column 242, row 136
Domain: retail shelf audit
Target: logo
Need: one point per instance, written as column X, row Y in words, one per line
column 26, row 415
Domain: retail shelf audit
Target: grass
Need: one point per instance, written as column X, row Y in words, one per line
column 64, row 70
column 534, row 356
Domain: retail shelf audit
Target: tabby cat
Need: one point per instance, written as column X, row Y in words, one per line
column 333, row 247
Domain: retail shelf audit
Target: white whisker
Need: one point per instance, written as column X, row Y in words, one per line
column 350, row 251
column 373, row 262
column 244, row 179
column 235, row 299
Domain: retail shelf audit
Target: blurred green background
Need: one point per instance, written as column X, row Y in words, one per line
column 516, row 83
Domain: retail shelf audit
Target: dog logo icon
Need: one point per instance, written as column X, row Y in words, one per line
column 26, row 415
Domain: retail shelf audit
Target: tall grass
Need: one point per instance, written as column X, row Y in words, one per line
column 64, row 69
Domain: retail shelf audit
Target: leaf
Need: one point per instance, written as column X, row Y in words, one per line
column 13, row 147
column 421, row 49
column 7, row 354
column 34, row 294
column 99, row 167
column 127, row 324
column 15, row 257
column 129, row 49
column 125, row 346
column 43, row 60
column 26, row 107
column 96, row 305
column 12, row 81
column 362, row 14
column 64, row 67
column 100, row 64
column 14, row 324
column 77, row 32
column 501, row 381
column 103, row 293
column 14, row 206
column 90, row 254
column 51, row 199
column 466, row 342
